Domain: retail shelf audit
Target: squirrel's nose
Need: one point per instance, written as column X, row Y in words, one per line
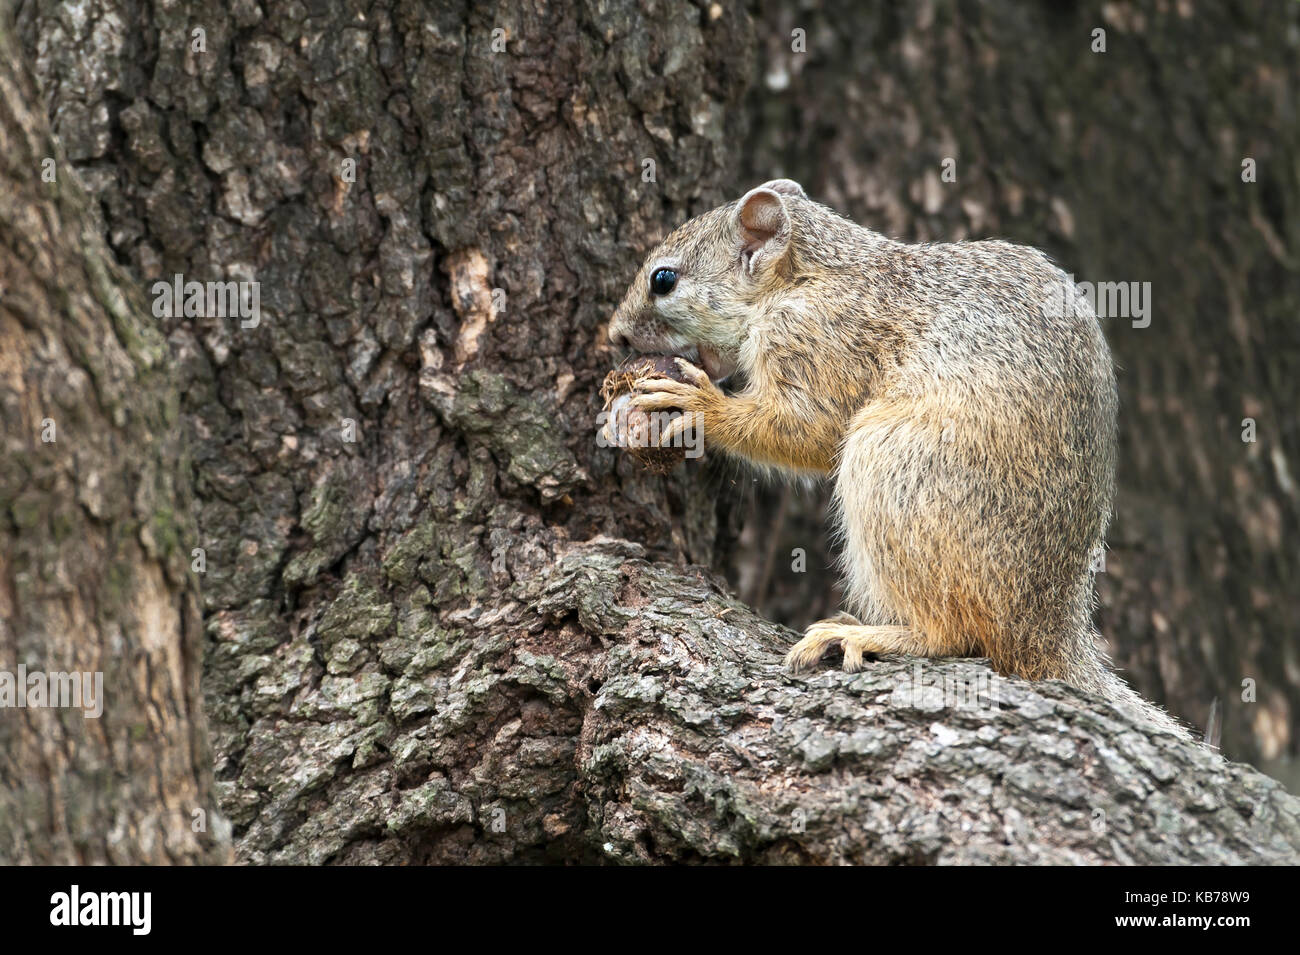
column 618, row 338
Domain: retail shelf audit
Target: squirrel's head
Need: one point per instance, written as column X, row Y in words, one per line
column 696, row 295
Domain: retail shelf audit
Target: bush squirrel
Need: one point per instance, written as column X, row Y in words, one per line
column 961, row 395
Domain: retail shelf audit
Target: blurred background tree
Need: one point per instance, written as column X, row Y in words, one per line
column 1125, row 166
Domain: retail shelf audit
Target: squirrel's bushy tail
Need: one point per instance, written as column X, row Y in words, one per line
column 1107, row 682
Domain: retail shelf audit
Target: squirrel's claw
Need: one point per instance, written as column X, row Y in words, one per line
column 653, row 394
column 698, row 376
column 678, row 425
column 695, row 398
column 818, row 640
column 854, row 639
column 656, row 394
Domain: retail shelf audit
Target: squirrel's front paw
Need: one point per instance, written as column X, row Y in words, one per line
column 696, row 393
column 696, row 397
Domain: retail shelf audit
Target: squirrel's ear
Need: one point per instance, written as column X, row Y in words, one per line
column 787, row 187
column 763, row 225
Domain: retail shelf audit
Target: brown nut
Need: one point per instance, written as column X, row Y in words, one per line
column 633, row 430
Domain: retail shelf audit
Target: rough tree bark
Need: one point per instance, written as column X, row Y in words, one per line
column 94, row 518
column 438, row 641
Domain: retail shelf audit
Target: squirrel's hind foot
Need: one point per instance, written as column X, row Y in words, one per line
column 850, row 635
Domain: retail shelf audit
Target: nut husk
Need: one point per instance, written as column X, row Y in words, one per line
column 632, row 430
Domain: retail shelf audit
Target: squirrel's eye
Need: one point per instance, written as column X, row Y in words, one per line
column 663, row 281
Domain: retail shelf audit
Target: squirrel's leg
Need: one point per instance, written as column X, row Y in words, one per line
column 853, row 639
column 767, row 426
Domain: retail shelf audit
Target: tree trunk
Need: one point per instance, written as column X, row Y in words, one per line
column 429, row 638
column 103, row 749
column 439, row 216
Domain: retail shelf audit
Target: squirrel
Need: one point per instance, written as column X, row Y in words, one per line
column 961, row 396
